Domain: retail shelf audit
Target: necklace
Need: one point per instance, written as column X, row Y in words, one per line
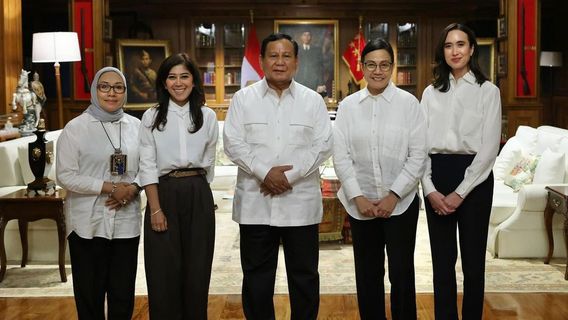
column 117, row 159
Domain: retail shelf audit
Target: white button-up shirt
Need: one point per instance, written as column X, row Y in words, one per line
column 83, row 165
column 174, row 147
column 464, row 120
column 379, row 145
column 263, row 130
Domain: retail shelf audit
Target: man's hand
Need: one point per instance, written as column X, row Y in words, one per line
column 276, row 181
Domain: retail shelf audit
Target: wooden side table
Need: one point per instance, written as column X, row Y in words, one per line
column 26, row 208
column 557, row 202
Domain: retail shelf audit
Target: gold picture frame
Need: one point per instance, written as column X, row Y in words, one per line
column 486, row 57
column 324, row 36
column 141, row 91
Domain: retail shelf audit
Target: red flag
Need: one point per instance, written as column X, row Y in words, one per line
column 250, row 69
column 352, row 56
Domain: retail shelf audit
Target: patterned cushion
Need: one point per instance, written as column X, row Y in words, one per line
column 522, row 171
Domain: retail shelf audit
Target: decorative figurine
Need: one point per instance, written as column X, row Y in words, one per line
column 37, row 88
column 27, row 100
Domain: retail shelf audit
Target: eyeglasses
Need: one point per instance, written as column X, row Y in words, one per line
column 118, row 88
column 383, row 66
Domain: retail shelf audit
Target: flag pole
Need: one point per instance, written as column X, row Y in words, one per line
column 359, row 37
column 251, row 13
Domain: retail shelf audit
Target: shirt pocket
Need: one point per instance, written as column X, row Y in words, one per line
column 301, row 133
column 256, row 132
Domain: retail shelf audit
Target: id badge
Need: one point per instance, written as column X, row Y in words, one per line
column 117, row 164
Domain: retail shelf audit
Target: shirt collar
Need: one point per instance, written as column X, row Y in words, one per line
column 264, row 88
column 174, row 107
column 468, row 77
column 387, row 94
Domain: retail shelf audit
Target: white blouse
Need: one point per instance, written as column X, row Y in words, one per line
column 464, row 120
column 83, row 165
column 379, row 145
column 175, row 147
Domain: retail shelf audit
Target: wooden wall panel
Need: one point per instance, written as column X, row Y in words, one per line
column 518, row 115
column 11, row 60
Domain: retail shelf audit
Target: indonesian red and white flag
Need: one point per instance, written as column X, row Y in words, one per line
column 250, row 69
column 352, row 56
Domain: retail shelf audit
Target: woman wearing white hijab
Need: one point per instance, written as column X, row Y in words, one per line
column 97, row 163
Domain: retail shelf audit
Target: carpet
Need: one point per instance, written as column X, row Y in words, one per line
column 336, row 268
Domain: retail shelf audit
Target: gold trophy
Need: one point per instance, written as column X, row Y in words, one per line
column 40, row 158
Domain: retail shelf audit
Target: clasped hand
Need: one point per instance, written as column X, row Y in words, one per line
column 382, row 208
column 124, row 194
column 275, row 182
column 444, row 205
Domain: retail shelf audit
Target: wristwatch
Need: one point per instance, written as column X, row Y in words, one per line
column 138, row 188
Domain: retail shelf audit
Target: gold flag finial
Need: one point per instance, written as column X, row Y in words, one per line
column 360, row 22
column 251, row 16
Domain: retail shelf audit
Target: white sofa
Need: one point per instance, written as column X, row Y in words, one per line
column 516, row 227
column 15, row 174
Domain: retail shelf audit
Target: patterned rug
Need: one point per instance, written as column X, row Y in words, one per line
column 336, row 268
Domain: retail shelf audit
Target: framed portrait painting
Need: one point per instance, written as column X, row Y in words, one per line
column 317, row 53
column 139, row 60
column 486, row 57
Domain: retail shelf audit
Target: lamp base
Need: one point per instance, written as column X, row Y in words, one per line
column 43, row 185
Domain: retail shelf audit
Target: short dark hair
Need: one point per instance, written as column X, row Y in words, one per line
column 377, row 44
column 442, row 70
column 196, row 98
column 276, row 37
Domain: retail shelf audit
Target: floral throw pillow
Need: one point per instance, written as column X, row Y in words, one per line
column 522, row 171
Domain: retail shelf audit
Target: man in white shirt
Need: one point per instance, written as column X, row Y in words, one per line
column 278, row 132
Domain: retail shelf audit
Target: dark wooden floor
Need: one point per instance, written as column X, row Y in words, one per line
column 498, row 306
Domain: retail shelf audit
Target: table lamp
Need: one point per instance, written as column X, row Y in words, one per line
column 56, row 47
column 551, row 59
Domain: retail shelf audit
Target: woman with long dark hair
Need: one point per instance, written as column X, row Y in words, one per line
column 464, row 127
column 177, row 158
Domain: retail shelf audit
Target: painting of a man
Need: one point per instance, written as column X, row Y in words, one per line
column 143, row 80
column 310, row 69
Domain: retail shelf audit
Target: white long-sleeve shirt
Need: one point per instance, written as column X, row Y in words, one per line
column 464, row 120
column 263, row 130
column 379, row 145
column 83, row 165
column 174, row 147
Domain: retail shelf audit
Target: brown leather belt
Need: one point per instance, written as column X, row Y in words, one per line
column 187, row 173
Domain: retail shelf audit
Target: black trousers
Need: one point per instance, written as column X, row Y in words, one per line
column 472, row 220
column 398, row 234
column 259, row 258
column 178, row 261
column 100, row 268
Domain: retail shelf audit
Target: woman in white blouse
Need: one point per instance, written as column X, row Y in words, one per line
column 464, row 127
column 177, row 157
column 379, row 154
column 97, row 163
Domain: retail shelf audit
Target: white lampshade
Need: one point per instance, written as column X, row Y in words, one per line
column 551, row 59
column 55, row 47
